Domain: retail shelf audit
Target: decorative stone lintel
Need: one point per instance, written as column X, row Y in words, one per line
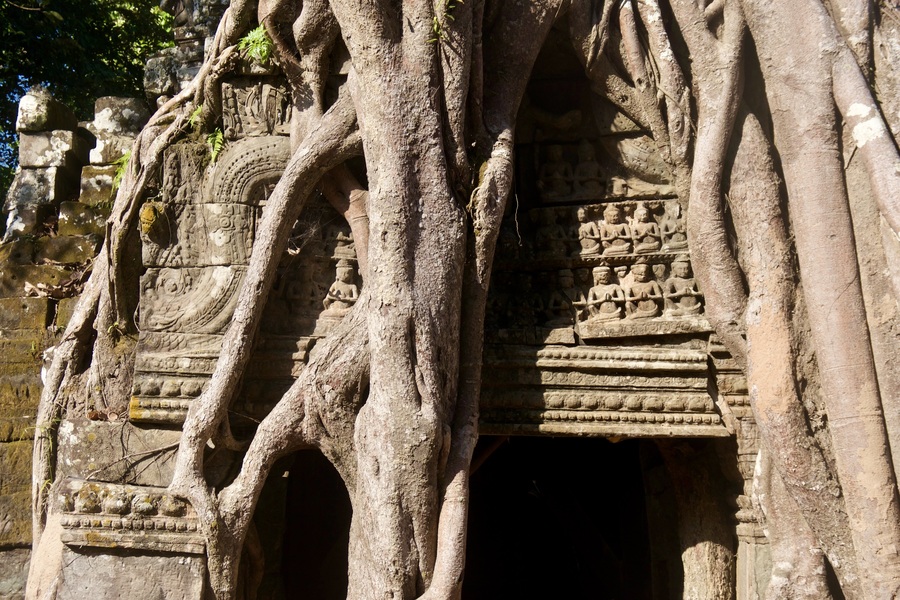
column 109, row 515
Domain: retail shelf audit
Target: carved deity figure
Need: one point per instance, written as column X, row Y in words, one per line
column 588, row 235
column 565, row 302
column 551, row 236
column 588, row 182
column 343, row 293
column 606, row 299
column 615, row 235
column 644, row 297
column 680, row 291
column 673, row 228
column 647, row 236
column 555, row 176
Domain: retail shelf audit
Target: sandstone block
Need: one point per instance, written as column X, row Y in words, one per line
column 23, row 313
column 159, row 74
column 53, row 149
column 17, row 252
column 68, row 249
column 64, row 309
column 15, row 518
column 13, row 278
column 15, row 467
column 39, row 111
column 42, row 186
column 110, row 148
column 14, row 572
column 97, row 184
column 88, row 446
column 20, row 391
column 27, row 220
column 120, row 115
column 77, row 218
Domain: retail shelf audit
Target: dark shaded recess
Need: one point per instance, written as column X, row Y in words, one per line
column 550, row 518
column 559, row 518
column 317, row 530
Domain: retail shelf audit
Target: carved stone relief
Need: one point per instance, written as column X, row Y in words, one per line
column 254, row 107
column 109, row 515
column 196, row 244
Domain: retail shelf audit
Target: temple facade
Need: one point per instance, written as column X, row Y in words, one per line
column 617, row 437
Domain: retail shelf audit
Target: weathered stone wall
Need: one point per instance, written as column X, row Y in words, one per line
column 54, row 223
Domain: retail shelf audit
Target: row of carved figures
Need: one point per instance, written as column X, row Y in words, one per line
column 614, row 233
column 638, row 292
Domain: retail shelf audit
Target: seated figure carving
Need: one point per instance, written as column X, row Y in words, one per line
column 644, row 297
column 680, row 291
column 551, row 236
column 672, row 227
column 343, row 293
column 615, row 235
column 588, row 234
column 606, row 299
column 647, row 236
column 588, row 182
column 555, row 177
column 564, row 303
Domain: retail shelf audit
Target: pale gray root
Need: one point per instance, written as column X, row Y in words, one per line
column 761, row 226
column 797, row 70
column 705, row 529
column 590, row 37
column 874, row 143
column 487, row 207
column 650, row 97
column 347, row 196
column 319, row 409
column 304, row 34
column 717, row 87
column 327, row 146
column 416, row 254
column 855, row 21
column 673, row 91
column 798, row 564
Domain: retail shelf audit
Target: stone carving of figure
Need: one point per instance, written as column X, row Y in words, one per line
column 606, row 299
column 673, row 229
column 588, row 182
column 551, row 236
column 680, row 291
column 647, row 236
column 588, row 234
column 556, row 174
column 343, row 293
column 644, row 297
column 615, row 235
column 565, row 302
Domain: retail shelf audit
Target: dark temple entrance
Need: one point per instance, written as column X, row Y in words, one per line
column 550, row 518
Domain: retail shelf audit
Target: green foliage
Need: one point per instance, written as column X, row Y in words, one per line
column 195, row 115
column 121, row 167
column 257, row 45
column 79, row 50
column 215, row 141
column 440, row 19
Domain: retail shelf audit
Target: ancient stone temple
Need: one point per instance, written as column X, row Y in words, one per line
column 616, row 433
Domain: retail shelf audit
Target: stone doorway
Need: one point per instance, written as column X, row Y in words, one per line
column 551, row 517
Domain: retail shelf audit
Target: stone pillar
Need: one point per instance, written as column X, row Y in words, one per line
column 753, row 556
